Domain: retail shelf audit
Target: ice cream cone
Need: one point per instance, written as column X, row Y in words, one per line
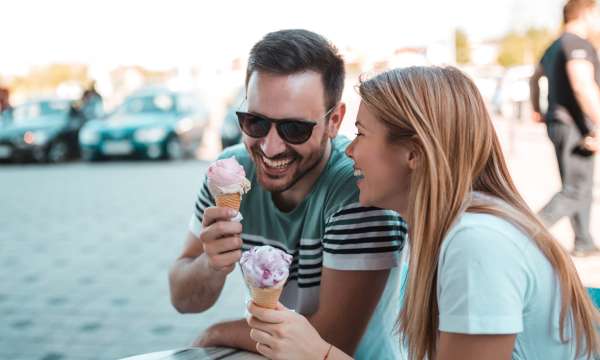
column 231, row 201
column 266, row 297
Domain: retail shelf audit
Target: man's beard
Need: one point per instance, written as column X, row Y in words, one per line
column 290, row 153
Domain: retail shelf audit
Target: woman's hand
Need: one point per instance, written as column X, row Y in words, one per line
column 284, row 334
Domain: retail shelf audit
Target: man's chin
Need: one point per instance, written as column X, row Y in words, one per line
column 274, row 184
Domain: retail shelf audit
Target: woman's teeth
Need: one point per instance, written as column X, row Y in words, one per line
column 278, row 164
column 358, row 173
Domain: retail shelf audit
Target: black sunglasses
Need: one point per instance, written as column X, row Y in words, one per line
column 290, row 130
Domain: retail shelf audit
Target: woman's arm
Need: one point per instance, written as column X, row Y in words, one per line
column 453, row 346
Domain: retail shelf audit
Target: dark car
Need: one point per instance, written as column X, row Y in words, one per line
column 154, row 123
column 230, row 129
column 42, row 130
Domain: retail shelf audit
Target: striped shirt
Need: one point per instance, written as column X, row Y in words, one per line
column 327, row 229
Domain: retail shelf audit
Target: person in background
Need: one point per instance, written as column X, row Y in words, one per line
column 486, row 279
column 571, row 66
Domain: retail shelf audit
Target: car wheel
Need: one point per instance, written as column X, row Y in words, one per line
column 174, row 149
column 58, row 152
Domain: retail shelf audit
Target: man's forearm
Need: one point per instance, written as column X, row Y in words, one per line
column 534, row 93
column 234, row 334
column 589, row 100
column 195, row 287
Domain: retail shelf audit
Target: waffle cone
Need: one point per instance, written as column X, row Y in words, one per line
column 266, row 297
column 231, row 201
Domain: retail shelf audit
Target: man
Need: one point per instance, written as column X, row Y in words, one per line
column 303, row 200
column 573, row 71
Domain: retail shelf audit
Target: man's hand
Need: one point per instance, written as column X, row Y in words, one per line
column 537, row 117
column 220, row 239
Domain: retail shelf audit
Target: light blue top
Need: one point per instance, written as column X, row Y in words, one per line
column 493, row 279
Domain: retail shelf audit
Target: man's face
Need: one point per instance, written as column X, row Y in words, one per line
column 280, row 165
column 592, row 17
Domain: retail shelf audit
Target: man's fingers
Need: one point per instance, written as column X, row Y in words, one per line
column 223, row 245
column 213, row 214
column 261, row 337
column 226, row 260
column 220, row 229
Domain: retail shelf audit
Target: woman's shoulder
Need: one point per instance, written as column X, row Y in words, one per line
column 478, row 235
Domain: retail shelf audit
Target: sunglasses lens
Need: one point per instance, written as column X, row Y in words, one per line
column 253, row 125
column 295, row 132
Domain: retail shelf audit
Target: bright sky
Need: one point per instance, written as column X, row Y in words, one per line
column 182, row 32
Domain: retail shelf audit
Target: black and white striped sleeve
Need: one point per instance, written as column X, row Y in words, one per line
column 203, row 200
column 363, row 238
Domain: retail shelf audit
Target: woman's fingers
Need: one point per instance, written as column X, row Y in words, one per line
column 267, row 315
column 262, row 337
column 265, row 350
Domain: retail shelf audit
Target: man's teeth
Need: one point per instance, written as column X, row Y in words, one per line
column 276, row 163
column 358, row 173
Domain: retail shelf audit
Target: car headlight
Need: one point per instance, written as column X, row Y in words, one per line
column 150, row 135
column 35, row 137
column 89, row 137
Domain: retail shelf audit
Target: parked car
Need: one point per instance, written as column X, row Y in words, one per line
column 41, row 130
column 230, row 129
column 153, row 123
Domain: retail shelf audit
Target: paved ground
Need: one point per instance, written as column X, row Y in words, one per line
column 85, row 249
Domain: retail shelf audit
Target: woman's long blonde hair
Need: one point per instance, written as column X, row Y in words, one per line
column 439, row 112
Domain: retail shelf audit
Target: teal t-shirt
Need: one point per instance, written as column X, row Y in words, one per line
column 493, row 279
column 328, row 229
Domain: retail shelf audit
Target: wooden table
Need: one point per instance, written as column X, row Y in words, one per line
column 198, row 354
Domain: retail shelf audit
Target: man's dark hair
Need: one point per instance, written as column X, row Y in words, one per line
column 574, row 8
column 289, row 52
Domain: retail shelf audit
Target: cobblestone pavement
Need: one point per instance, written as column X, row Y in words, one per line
column 85, row 250
column 84, row 255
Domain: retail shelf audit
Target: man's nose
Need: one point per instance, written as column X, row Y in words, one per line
column 272, row 144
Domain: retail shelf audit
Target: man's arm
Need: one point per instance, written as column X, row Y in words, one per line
column 534, row 92
column 587, row 92
column 198, row 275
column 347, row 302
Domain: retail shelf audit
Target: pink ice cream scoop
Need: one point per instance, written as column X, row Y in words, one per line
column 227, row 176
column 265, row 266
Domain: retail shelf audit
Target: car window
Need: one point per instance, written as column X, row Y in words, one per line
column 32, row 111
column 148, row 104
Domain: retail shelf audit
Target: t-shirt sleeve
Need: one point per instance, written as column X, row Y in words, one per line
column 578, row 49
column 363, row 238
column 203, row 200
column 482, row 282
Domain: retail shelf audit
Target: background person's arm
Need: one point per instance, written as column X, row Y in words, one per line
column 452, row 346
column 534, row 92
column 581, row 76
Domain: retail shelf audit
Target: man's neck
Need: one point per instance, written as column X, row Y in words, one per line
column 577, row 28
column 288, row 200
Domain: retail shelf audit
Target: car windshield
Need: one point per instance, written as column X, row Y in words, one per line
column 32, row 111
column 147, row 104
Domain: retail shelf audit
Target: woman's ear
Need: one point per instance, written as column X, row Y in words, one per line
column 413, row 159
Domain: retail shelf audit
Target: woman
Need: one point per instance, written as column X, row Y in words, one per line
column 486, row 279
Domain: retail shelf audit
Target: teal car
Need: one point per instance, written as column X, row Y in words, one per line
column 154, row 123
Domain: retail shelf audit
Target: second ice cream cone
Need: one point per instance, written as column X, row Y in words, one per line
column 266, row 297
column 231, row 201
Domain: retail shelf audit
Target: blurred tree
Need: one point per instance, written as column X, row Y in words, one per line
column 524, row 48
column 462, row 47
column 45, row 79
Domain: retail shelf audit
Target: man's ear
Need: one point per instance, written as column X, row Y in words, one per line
column 335, row 120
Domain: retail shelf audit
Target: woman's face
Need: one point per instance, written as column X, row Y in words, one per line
column 383, row 170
